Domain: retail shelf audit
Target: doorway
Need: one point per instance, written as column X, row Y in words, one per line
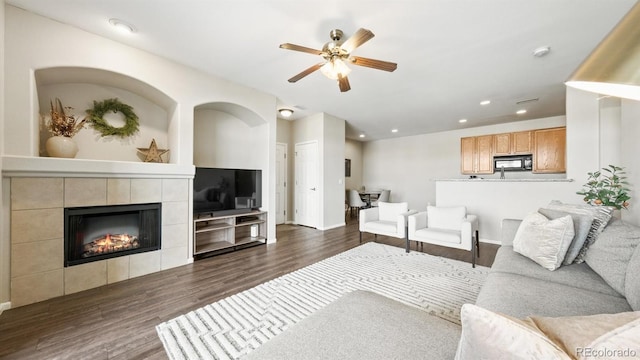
column 306, row 185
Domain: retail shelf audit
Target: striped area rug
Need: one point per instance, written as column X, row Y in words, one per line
column 232, row 327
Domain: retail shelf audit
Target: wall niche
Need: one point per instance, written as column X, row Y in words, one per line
column 79, row 87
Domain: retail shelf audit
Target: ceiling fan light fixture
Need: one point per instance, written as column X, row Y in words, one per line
column 335, row 68
column 285, row 112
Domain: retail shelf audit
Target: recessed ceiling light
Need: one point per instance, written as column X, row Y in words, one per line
column 520, row 112
column 462, row 121
column 122, row 25
column 394, row 130
column 285, row 112
column 541, row 51
column 361, row 135
column 485, row 102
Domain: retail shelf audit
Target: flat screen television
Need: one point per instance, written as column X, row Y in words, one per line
column 226, row 191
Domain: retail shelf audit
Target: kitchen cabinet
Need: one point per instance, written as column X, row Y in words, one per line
column 476, row 155
column 515, row 143
column 549, row 150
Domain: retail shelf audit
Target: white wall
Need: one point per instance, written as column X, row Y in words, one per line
column 5, row 247
column 333, row 172
column 630, row 149
column 409, row 165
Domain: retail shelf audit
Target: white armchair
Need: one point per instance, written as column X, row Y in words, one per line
column 389, row 219
column 445, row 226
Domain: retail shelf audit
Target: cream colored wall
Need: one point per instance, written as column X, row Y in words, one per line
column 5, row 247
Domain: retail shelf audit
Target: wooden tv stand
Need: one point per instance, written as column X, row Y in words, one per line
column 219, row 234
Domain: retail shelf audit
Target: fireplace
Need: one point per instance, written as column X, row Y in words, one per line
column 103, row 232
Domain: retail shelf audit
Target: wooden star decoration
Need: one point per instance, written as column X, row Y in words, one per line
column 152, row 153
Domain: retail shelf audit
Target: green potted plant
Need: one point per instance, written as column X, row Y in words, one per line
column 607, row 187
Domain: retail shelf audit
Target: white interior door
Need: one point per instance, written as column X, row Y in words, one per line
column 306, row 167
column 281, row 183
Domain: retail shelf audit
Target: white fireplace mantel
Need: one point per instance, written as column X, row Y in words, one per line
column 26, row 166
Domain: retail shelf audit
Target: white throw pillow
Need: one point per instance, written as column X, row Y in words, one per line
column 449, row 218
column 489, row 335
column 390, row 211
column 544, row 241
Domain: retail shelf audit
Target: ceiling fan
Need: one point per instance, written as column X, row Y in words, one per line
column 337, row 54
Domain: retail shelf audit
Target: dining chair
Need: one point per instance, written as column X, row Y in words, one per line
column 355, row 202
column 383, row 197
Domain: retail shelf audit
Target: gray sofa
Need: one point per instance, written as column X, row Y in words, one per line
column 363, row 325
column 519, row 287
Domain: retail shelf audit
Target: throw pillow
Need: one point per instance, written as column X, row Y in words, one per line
column 390, row 211
column 488, row 335
column 632, row 281
column 544, row 241
column 449, row 218
column 581, row 227
column 601, row 216
column 610, row 254
column 594, row 336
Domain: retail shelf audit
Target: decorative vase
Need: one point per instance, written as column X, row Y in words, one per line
column 61, row 146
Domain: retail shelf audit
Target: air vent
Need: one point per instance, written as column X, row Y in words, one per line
column 527, row 101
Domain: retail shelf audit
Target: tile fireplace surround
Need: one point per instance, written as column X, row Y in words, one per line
column 37, row 232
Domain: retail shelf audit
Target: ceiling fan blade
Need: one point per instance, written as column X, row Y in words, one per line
column 372, row 63
column 295, row 47
column 306, row 72
column 360, row 37
column 343, row 83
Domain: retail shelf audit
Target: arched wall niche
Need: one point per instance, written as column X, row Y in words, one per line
column 230, row 136
column 79, row 87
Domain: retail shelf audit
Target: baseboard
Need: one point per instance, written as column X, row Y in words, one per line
column 5, row 306
column 289, row 222
column 332, row 226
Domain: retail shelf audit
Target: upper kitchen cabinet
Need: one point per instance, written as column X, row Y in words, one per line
column 476, row 155
column 515, row 143
column 549, row 150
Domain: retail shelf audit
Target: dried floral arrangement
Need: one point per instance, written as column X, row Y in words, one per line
column 62, row 123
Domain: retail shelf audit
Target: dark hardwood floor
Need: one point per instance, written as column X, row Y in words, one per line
column 118, row 321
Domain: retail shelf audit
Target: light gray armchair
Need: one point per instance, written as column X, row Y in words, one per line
column 445, row 226
column 389, row 219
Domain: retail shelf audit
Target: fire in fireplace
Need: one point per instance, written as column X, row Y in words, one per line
column 102, row 232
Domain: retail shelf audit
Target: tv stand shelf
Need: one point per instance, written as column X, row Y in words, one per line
column 217, row 234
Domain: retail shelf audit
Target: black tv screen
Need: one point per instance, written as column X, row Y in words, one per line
column 226, row 191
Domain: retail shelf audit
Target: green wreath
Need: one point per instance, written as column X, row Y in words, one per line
column 100, row 108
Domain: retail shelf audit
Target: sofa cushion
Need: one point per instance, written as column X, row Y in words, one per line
column 449, row 218
column 381, row 226
column 443, row 235
column 632, row 282
column 364, row 325
column 521, row 296
column 576, row 275
column 390, row 211
column 544, row 241
column 610, row 254
column 488, row 335
column 581, row 227
column 601, row 216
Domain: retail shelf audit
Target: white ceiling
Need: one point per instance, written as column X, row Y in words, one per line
column 451, row 54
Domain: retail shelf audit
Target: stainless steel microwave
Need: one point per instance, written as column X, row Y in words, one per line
column 513, row 163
